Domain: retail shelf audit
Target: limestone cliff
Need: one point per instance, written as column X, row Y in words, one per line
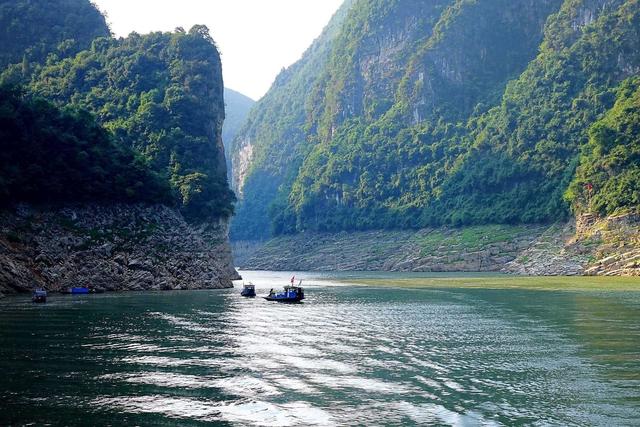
column 114, row 248
column 607, row 246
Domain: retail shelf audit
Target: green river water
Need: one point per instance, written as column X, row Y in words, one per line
column 348, row 355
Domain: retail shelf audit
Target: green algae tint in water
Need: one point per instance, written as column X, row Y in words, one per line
column 347, row 356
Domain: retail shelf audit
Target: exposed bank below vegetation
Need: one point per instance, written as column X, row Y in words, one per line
column 547, row 283
column 608, row 246
column 112, row 248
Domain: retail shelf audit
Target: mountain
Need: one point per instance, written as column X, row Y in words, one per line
column 160, row 94
column 405, row 115
column 266, row 152
column 237, row 107
column 31, row 30
column 112, row 168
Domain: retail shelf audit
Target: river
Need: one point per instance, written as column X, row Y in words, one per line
column 349, row 355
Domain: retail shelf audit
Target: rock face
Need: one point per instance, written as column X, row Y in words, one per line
column 116, row 248
column 551, row 254
column 591, row 246
column 614, row 245
column 481, row 248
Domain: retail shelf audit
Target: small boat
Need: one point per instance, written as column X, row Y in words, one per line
column 290, row 294
column 78, row 290
column 39, row 296
column 248, row 290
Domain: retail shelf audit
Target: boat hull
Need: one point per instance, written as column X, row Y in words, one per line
column 284, row 299
column 81, row 291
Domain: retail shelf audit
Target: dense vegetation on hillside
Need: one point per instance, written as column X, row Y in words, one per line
column 53, row 155
column 159, row 96
column 608, row 176
column 31, row 30
column 276, row 128
column 447, row 112
column 525, row 151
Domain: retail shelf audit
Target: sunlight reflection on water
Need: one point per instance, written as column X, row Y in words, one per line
column 346, row 356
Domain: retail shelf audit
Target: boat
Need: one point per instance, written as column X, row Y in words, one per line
column 291, row 293
column 77, row 290
column 248, row 290
column 39, row 296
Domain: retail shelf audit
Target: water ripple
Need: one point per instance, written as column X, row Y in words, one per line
column 347, row 356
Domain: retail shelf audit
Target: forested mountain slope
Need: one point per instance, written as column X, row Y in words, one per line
column 434, row 113
column 108, row 145
column 31, row 30
column 270, row 146
column 162, row 95
column 610, row 162
column 49, row 155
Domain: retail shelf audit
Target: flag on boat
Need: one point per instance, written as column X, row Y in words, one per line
column 293, row 278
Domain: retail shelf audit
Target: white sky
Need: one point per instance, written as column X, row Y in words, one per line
column 256, row 37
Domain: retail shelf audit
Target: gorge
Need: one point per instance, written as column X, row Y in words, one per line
column 449, row 135
column 413, row 176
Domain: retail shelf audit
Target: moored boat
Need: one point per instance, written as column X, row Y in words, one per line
column 39, row 296
column 76, row 290
column 248, row 290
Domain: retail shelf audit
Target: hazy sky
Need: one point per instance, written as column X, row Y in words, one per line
column 256, row 37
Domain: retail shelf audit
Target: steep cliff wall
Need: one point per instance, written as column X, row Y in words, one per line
column 237, row 107
column 441, row 113
column 114, row 248
column 162, row 95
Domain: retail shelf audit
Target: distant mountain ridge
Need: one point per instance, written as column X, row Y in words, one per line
column 237, row 107
column 446, row 112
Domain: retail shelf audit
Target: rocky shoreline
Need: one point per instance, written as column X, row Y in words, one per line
column 114, row 248
column 607, row 246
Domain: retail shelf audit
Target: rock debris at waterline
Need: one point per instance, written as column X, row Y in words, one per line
column 116, row 248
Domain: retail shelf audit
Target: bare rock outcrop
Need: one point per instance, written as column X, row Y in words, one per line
column 119, row 247
column 614, row 244
column 590, row 246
